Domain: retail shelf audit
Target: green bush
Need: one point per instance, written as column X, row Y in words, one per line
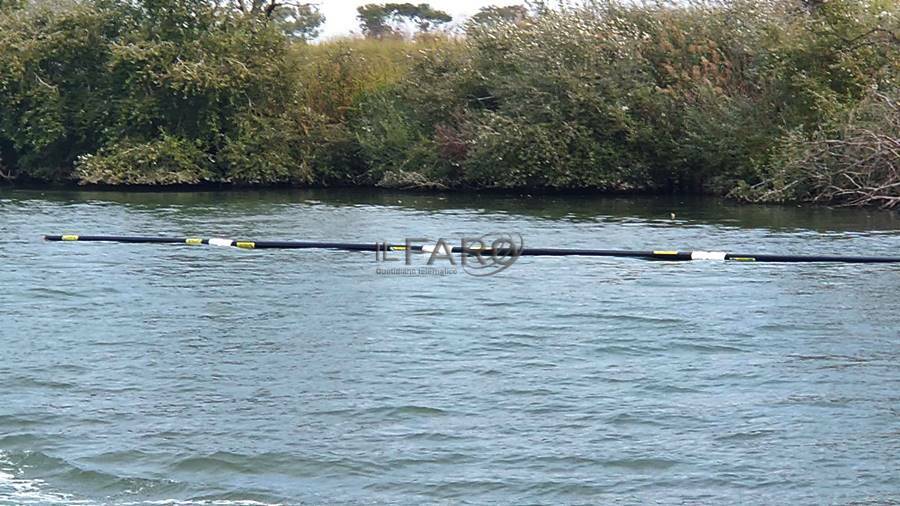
column 106, row 79
column 686, row 97
column 726, row 97
column 53, row 90
column 506, row 153
column 163, row 161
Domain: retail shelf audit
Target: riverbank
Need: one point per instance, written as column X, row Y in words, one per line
column 775, row 101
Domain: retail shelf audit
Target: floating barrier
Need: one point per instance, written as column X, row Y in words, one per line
column 378, row 247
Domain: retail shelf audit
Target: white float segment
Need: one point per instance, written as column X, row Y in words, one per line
column 708, row 255
column 446, row 249
column 215, row 241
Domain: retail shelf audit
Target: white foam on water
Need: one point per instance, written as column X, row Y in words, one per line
column 15, row 490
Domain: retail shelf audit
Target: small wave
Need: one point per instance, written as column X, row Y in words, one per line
column 543, row 461
column 203, row 502
column 515, row 392
column 219, row 462
column 17, row 421
column 387, row 411
column 646, row 319
column 746, row 435
column 632, row 419
column 847, row 358
column 706, row 347
column 268, row 463
column 20, row 440
column 19, row 490
column 669, row 388
column 455, row 489
column 22, row 382
column 409, row 410
column 642, row 463
column 818, row 400
column 438, row 458
column 13, row 483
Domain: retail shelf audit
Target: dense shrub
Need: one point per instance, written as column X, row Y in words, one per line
column 854, row 159
column 686, row 97
column 167, row 160
column 736, row 97
column 341, row 86
column 155, row 93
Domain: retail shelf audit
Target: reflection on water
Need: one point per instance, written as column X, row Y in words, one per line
column 703, row 210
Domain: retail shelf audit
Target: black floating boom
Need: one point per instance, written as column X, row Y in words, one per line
column 382, row 247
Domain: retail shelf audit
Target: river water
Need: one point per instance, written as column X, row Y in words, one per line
column 169, row 374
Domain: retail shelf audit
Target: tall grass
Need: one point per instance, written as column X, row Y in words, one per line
column 333, row 75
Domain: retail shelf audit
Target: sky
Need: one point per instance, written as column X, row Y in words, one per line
column 340, row 15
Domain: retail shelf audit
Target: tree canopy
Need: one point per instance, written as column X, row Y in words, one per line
column 298, row 20
column 493, row 14
column 147, row 92
column 381, row 20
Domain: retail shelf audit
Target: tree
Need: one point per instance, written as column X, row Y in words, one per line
column 381, row 20
column 493, row 14
column 373, row 19
column 423, row 15
column 298, row 21
column 148, row 92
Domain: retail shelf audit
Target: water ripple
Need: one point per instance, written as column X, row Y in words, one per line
column 172, row 375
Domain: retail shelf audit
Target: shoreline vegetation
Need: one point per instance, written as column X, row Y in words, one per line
column 760, row 101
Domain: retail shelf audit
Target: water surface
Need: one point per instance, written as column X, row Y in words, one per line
column 134, row 374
